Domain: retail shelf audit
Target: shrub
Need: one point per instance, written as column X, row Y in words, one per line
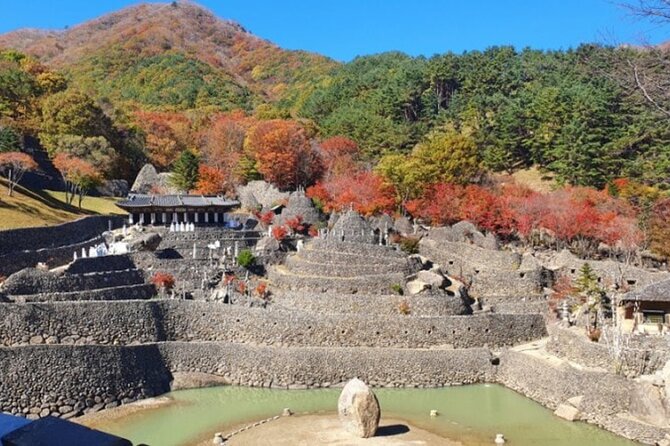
column 409, row 245
column 262, row 290
column 279, row 233
column 398, row 289
column 245, row 258
column 163, row 281
column 404, row 308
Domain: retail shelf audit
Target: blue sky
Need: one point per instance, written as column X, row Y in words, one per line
column 343, row 29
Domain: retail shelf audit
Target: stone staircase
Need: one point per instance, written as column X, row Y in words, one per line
column 340, row 267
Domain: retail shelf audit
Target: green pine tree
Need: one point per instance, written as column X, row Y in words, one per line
column 185, row 171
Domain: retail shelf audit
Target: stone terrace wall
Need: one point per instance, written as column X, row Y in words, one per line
column 53, row 245
column 298, row 367
column 66, row 380
column 101, row 264
column 643, row 356
column 604, row 395
column 35, row 281
column 130, row 292
column 422, row 305
column 168, row 320
column 30, row 239
column 70, row 380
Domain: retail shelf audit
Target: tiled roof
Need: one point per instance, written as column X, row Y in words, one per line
column 656, row 292
column 142, row 201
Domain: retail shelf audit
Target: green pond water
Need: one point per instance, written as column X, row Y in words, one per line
column 471, row 414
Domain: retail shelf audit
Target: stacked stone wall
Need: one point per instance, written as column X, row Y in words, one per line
column 53, row 245
column 642, row 355
column 37, row 282
column 130, row 292
column 67, row 380
column 168, row 320
column 605, row 396
column 422, row 305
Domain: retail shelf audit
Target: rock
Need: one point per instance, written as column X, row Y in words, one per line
column 434, row 279
column 358, row 409
column 576, row 401
column 218, row 438
column 403, row 226
column 37, row 340
column 148, row 180
column 145, row 242
column 45, row 413
column 113, row 188
column 286, row 412
column 646, row 403
column 65, row 409
column 417, row 286
column 567, row 412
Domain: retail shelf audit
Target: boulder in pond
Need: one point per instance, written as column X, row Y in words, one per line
column 358, row 409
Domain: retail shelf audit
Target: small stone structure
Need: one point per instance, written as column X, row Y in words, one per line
column 358, row 409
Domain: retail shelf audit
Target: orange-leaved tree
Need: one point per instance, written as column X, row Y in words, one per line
column 283, row 154
column 79, row 176
column 213, row 181
column 13, row 165
column 365, row 192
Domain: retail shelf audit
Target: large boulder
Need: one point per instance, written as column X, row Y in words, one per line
column 148, row 180
column 113, row 188
column 358, row 409
column 299, row 205
column 264, row 194
column 145, row 242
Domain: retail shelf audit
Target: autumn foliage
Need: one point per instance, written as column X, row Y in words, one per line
column 13, row 165
column 163, row 281
column 366, row 192
column 567, row 215
column 213, row 181
column 279, row 233
column 283, row 154
column 79, row 175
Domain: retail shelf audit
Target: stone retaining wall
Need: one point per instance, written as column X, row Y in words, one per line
column 30, row 239
column 34, row 281
column 131, row 292
column 421, row 305
column 66, row 380
column 370, row 284
column 605, row 396
column 101, row 264
column 642, row 355
column 70, row 380
column 172, row 320
column 52, row 257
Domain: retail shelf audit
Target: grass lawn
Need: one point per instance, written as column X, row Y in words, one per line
column 45, row 208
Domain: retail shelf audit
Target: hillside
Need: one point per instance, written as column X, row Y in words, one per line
column 178, row 55
column 45, row 208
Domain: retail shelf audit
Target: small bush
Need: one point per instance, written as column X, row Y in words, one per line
column 245, row 258
column 279, row 233
column 404, row 308
column 398, row 289
column 409, row 245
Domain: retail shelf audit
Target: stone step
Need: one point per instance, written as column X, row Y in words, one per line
column 299, row 265
column 355, row 248
column 347, row 258
column 368, row 284
column 130, row 292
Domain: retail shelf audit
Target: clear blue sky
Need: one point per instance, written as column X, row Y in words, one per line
column 343, row 29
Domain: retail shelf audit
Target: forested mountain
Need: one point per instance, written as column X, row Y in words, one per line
column 156, row 77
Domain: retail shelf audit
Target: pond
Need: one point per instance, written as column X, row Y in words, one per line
column 470, row 414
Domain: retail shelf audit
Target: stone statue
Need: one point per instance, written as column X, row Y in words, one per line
column 358, row 409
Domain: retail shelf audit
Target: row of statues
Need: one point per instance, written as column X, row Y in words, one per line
column 182, row 227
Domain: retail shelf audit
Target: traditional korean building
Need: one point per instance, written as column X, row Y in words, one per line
column 166, row 209
column 647, row 309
